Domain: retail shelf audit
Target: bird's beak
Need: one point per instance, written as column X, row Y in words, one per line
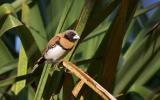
column 76, row 37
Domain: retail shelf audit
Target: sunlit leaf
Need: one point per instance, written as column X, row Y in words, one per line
column 19, row 87
column 10, row 22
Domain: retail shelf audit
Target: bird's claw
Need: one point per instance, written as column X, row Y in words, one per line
column 67, row 71
column 58, row 66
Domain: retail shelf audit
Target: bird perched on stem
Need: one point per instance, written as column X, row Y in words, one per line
column 58, row 47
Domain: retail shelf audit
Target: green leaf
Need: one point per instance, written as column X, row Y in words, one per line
column 31, row 93
column 138, row 55
column 6, row 9
column 54, row 84
column 8, row 66
column 147, row 9
column 12, row 79
column 57, row 85
column 112, row 43
column 81, row 23
column 29, row 44
column 98, row 16
column 142, row 91
column 98, row 24
column 26, row 37
column 87, row 48
column 150, row 70
column 19, row 87
column 66, row 10
column 42, row 82
column 147, row 28
column 9, row 23
column 144, row 53
column 73, row 15
column 79, row 28
column 53, row 15
column 35, row 25
column 17, row 4
column 5, row 56
column 8, row 81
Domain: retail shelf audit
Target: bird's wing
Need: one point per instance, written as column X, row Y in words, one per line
column 52, row 42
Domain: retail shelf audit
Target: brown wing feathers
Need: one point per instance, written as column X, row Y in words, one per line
column 53, row 41
column 66, row 44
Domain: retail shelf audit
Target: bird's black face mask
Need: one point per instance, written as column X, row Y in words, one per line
column 71, row 36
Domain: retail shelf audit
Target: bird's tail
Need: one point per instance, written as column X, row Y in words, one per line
column 39, row 61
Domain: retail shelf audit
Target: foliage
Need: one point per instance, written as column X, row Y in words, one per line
column 119, row 49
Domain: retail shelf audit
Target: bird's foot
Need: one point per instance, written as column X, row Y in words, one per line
column 58, row 66
column 67, row 71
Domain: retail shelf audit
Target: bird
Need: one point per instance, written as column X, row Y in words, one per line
column 58, row 47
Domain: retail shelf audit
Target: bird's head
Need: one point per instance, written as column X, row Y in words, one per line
column 71, row 35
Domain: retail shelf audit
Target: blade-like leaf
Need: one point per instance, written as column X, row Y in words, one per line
column 64, row 16
column 66, row 10
column 10, row 22
column 79, row 28
column 142, row 91
column 5, row 10
column 97, row 17
column 5, row 56
column 148, row 49
column 42, row 82
column 147, row 9
column 8, row 67
column 13, row 79
column 19, row 87
column 6, row 82
column 150, row 70
column 26, row 37
column 111, row 44
column 36, row 27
